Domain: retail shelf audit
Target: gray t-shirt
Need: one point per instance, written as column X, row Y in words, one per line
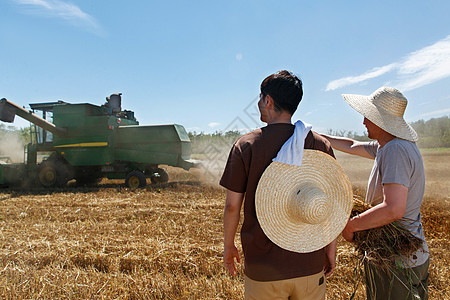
column 400, row 161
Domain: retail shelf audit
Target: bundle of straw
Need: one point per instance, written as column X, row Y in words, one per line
column 384, row 246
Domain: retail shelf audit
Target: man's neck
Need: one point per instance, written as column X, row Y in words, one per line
column 274, row 118
column 385, row 138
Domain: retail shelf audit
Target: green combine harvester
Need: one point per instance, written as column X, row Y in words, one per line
column 87, row 142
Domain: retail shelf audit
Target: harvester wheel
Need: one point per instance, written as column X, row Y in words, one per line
column 47, row 175
column 162, row 177
column 51, row 174
column 135, row 179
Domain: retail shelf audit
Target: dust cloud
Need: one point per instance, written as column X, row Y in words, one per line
column 213, row 156
column 211, row 168
column 11, row 147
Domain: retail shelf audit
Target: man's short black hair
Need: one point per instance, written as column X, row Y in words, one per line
column 285, row 89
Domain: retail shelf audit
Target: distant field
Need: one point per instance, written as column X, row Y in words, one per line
column 164, row 242
column 436, row 163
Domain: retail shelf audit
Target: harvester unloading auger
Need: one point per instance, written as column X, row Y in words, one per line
column 87, row 142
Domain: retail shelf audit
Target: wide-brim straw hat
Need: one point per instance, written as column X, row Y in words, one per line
column 304, row 208
column 385, row 108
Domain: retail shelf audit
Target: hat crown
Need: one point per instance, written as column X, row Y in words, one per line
column 310, row 204
column 390, row 100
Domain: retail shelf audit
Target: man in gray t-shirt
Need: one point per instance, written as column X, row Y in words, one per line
column 400, row 162
column 395, row 189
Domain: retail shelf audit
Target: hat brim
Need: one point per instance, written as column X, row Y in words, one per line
column 275, row 187
column 396, row 126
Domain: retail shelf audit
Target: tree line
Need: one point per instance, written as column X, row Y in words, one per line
column 433, row 133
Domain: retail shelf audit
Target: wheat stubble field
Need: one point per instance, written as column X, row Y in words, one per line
column 164, row 242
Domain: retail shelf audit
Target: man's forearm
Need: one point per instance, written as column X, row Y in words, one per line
column 231, row 216
column 347, row 145
column 230, row 224
column 392, row 208
column 330, row 249
column 375, row 217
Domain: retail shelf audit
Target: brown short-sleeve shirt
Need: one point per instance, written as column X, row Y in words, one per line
column 249, row 157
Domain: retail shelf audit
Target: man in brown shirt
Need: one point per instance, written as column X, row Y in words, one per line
column 270, row 270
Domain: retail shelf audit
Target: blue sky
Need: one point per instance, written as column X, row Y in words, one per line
column 200, row 63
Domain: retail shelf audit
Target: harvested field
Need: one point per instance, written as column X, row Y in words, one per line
column 162, row 242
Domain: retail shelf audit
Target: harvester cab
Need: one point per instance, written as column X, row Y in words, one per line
column 39, row 135
column 87, row 142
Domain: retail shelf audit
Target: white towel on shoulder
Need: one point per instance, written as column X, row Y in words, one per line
column 292, row 151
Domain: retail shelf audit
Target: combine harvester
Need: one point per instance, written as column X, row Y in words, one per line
column 87, row 142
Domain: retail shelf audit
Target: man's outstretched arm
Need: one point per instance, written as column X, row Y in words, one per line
column 231, row 217
column 347, row 145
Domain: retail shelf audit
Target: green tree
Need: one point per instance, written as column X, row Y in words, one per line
column 433, row 133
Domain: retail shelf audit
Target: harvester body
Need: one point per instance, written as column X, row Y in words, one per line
column 87, row 142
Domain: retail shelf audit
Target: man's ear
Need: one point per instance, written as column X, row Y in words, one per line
column 269, row 102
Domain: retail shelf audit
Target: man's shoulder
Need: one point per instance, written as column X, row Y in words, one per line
column 266, row 132
column 317, row 142
column 399, row 148
column 249, row 137
column 400, row 145
column 245, row 142
column 317, row 138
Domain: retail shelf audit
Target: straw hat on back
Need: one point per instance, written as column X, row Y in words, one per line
column 304, row 208
column 385, row 108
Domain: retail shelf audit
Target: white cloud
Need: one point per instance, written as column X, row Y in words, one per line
column 417, row 69
column 426, row 66
column 63, row 10
column 213, row 124
column 375, row 72
column 239, row 56
column 439, row 112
